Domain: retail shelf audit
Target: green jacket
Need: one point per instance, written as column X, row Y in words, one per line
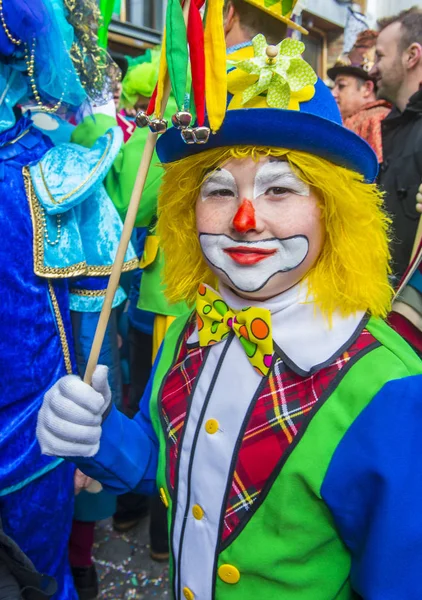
column 302, row 541
column 325, row 468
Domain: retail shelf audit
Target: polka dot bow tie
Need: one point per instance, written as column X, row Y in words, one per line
column 252, row 326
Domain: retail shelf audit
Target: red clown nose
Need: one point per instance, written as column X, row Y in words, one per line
column 244, row 219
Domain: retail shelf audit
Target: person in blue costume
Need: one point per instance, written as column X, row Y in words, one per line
column 57, row 225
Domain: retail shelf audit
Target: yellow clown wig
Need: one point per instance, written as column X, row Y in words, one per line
column 351, row 273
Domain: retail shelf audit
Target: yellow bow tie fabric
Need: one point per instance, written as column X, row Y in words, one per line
column 252, row 326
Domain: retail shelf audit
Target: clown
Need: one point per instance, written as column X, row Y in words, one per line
column 267, row 423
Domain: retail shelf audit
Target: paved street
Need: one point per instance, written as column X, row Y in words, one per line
column 124, row 566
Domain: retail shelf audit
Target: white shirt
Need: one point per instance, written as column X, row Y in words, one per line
column 224, row 390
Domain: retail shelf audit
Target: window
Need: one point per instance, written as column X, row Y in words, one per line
column 146, row 13
column 313, row 51
column 136, row 24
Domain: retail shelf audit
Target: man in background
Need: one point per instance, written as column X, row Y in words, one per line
column 398, row 74
column 355, row 91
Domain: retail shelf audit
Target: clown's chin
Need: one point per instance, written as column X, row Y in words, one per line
column 223, row 254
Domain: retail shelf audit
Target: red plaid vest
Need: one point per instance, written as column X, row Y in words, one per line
column 284, row 407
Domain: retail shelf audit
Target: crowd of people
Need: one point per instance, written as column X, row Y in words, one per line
column 269, row 312
column 377, row 87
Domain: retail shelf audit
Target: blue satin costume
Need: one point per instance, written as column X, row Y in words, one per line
column 90, row 232
column 36, row 341
column 31, row 361
column 57, row 224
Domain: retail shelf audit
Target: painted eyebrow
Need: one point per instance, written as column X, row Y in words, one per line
column 221, row 177
column 221, row 174
column 269, row 173
column 269, row 177
column 288, row 177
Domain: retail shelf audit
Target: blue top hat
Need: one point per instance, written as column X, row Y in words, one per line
column 298, row 112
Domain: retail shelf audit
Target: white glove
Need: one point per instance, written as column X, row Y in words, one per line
column 69, row 422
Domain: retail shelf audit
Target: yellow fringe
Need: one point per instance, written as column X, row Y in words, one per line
column 215, row 64
column 161, row 326
column 352, row 271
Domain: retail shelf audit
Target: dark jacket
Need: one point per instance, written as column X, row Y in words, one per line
column 18, row 577
column 400, row 176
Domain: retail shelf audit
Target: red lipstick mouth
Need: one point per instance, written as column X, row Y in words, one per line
column 246, row 255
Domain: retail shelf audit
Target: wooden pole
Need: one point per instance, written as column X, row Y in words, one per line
column 128, row 226
column 120, row 256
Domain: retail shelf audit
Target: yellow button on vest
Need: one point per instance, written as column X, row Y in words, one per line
column 163, row 497
column 211, row 426
column 188, row 594
column 229, row 574
column 197, row 512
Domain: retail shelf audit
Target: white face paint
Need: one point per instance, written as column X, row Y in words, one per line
column 277, row 256
column 275, row 241
column 278, row 174
column 220, row 183
column 275, row 175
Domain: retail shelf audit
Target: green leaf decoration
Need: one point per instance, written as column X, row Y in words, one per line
column 279, row 93
column 300, row 74
column 270, row 3
column 259, row 44
column 257, row 88
column 279, row 78
column 293, row 48
column 252, row 66
column 282, row 66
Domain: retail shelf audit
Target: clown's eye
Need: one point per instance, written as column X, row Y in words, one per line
column 224, row 192
column 277, row 191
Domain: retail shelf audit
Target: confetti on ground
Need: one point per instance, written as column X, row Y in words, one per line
column 125, row 569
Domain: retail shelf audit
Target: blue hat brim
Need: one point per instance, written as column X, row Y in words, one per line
column 272, row 127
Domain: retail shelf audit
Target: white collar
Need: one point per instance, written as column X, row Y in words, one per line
column 302, row 336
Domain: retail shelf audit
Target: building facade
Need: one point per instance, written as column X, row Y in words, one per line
column 377, row 9
column 138, row 24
